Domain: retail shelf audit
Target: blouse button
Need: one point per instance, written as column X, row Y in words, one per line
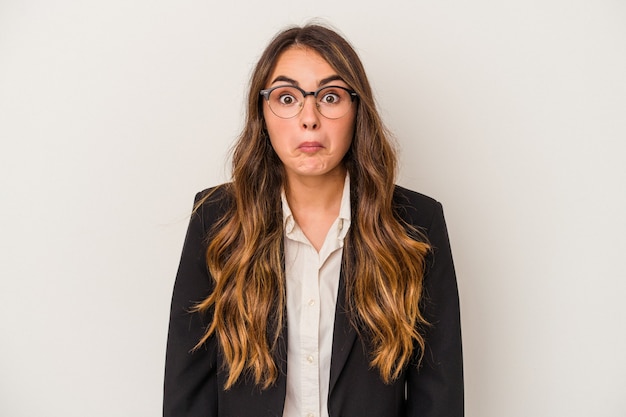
column 309, row 359
column 311, row 302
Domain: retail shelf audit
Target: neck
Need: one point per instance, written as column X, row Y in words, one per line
column 316, row 193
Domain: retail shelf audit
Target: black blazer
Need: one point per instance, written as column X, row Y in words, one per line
column 194, row 381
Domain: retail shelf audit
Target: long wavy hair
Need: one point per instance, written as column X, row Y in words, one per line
column 384, row 259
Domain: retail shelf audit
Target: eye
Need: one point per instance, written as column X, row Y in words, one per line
column 330, row 98
column 286, row 99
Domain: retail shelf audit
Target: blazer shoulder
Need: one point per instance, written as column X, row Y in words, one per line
column 212, row 203
column 415, row 208
column 212, row 195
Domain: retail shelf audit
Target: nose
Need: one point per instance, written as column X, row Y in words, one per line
column 310, row 116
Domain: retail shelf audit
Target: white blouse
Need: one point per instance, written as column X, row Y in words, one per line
column 312, row 285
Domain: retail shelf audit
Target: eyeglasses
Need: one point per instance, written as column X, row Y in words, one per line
column 287, row 101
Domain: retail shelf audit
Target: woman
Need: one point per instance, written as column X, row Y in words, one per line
column 310, row 285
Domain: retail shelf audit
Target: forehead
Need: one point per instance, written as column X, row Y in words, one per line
column 301, row 64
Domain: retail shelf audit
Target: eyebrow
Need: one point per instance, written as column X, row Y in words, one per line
column 331, row 78
column 285, row 79
column 294, row 82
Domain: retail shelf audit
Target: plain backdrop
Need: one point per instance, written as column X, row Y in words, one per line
column 114, row 113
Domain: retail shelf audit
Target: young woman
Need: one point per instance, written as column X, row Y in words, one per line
column 311, row 285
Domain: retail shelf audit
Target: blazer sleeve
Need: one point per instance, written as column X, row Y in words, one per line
column 190, row 388
column 435, row 389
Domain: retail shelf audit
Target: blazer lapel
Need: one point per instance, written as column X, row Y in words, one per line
column 344, row 335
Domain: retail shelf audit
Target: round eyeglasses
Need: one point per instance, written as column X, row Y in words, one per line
column 287, row 101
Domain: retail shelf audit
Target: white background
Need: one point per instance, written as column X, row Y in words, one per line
column 114, row 113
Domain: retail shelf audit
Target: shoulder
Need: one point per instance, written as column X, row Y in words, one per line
column 213, row 203
column 216, row 194
column 415, row 208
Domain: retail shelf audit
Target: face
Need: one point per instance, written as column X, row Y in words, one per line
column 308, row 144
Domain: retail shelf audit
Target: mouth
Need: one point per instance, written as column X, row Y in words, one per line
column 310, row 147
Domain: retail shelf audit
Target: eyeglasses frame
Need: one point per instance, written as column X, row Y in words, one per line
column 266, row 95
